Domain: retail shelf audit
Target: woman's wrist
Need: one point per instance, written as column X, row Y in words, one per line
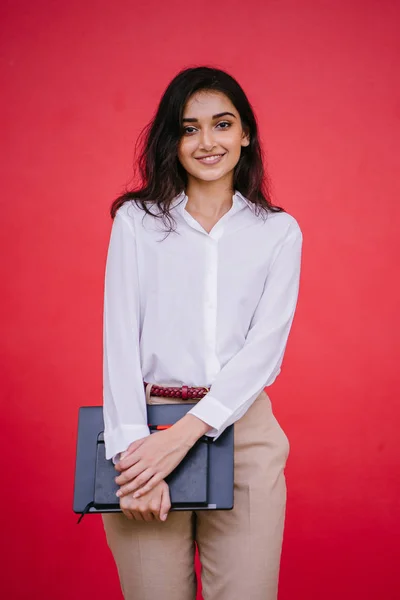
column 190, row 429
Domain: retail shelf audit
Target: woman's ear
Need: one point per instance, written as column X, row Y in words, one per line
column 245, row 138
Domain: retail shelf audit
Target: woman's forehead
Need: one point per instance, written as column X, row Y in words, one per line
column 207, row 103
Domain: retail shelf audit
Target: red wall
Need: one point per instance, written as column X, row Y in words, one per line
column 79, row 80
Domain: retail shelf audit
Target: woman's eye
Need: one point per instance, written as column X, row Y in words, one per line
column 189, row 130
column 225, row 123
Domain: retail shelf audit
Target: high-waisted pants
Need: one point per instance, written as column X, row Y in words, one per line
column 239, row 549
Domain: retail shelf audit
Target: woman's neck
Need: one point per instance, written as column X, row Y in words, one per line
column 211, row 199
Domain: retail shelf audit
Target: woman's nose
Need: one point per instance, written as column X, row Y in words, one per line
column 206, row 139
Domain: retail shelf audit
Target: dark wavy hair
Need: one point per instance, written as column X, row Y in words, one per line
column 162, row 176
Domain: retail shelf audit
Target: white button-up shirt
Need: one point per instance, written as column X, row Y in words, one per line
column 195, row 308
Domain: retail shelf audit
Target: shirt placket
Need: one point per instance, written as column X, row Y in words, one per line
column 210, row 289
column 211, row 307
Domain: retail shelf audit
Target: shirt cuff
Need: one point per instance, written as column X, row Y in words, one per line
column 118, row 440
column 214, row 413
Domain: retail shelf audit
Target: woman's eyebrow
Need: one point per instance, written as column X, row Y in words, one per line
column 191, row 120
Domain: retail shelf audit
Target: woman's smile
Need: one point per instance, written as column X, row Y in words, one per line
column 211, row 160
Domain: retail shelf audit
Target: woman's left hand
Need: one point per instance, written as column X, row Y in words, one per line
column 149, row 460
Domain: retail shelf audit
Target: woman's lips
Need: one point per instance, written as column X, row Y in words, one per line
column 212, row 160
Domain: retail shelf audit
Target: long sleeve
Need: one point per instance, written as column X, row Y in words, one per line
column 124, row 404
column 258, row 362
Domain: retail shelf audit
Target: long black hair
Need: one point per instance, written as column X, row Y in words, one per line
column 162, row 176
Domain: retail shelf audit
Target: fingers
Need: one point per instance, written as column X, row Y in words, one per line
column 165, row 504
column 148, row 516
column 129, row 507
column 131, row 511
column 133, row 481
column 137, row 516
column 151, row 483
column 155, row 505
column 131, row 456
column 127, row 460
column 130, row 473
column 127, row 513
column 146, row 509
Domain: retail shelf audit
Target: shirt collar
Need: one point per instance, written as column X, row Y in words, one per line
column 181, row 200
column 238, row 196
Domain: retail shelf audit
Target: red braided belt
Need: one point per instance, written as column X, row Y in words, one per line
column 185, row 392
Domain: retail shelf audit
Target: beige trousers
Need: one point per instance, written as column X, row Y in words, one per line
column 239, row 549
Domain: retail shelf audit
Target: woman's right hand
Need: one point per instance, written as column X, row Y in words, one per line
column 152, row 505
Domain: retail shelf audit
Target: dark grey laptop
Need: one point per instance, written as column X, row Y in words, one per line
column 202, row 481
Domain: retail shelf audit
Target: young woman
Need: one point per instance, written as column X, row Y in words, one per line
column 201, row 287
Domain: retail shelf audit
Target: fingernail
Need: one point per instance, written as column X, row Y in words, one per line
column 163, row 517
column 136, row 494
column 118, row 493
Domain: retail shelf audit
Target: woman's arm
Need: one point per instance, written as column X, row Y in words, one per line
column 124, row 403
column 258, row 362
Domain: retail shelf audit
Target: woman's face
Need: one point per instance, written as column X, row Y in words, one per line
column 211, row 127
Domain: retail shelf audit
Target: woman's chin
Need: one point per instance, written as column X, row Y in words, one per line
column 211, row 175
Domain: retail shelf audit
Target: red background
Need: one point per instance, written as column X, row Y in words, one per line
column 79, row 80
